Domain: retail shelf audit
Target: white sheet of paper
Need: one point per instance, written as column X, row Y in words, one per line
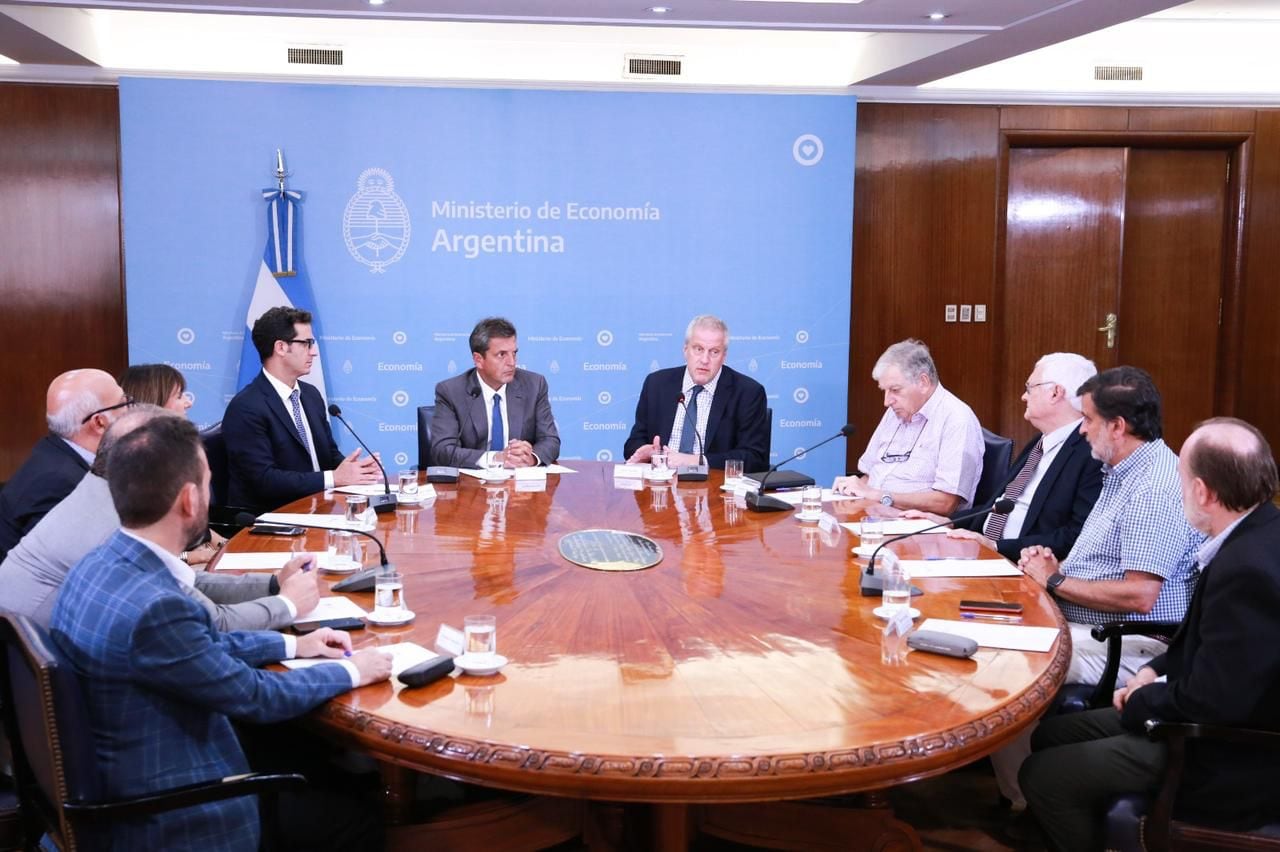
column 793, row 496
column 426, row 492
column 559, row 468
column 403, row 656
column 268, row 561
column 487, row 474
column 335, row 522
column 369, row 489
column 920, row 569
column 899, row 526
column 1012, row 636
column 330, row 608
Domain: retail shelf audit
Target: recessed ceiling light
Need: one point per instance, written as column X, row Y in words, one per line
column 938, row 16
column 659, row 10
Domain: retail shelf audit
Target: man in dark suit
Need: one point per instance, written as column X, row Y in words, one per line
column 1055, row 480
column 79, row 407
column 703, row 409
column 163, row 683
column 1221, row 668
column 279, row 445
column 494, row 413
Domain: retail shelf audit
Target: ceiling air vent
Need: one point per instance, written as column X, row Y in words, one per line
column 1117, row 72
column 315, row 56
column 652, row 66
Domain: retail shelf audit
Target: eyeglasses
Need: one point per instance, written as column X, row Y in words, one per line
column 1029, row 385
column 128, row 401
column 305, row 341
column 894, row 458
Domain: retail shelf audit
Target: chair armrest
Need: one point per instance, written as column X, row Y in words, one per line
column 1112, row 633
column 251, row 784
column 1158, row 730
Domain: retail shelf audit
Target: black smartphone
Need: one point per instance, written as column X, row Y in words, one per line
column 991, row 606
column 335, row 623
column 276, row 529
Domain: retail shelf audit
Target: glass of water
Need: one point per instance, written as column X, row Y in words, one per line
column 388, row 595
column 659, row 463
column 896, row 589
column 408, row 485
column 732, row 471
column 356, row 504
column 871, row 531
column 811, row 501
column 480, row 635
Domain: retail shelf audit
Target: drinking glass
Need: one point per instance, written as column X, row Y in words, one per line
column 659, row 462
column 388, row 594
column 872, row 531
column 896, row 588
column 408, row 485
column 356, row 504
column 811, row 501
column 732, row 471
column 480, row 634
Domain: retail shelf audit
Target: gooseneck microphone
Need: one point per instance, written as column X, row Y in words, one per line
column 381, row 503
column 693, row 472
column 361, row 581
column 758, row 501
column 873, row 584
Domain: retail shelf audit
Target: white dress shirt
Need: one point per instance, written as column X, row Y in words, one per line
column 285, row 391
column 1049, row 451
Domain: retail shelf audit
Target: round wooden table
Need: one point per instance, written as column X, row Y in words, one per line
column 746, row 666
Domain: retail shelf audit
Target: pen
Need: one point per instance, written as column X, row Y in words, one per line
column 972, row 615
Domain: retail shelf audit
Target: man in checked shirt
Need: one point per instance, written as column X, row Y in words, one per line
column 1135, row 557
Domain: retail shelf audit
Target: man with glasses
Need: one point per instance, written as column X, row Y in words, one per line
column 494, row 413
column 927, row 451
column 279, row 444
column 79, row 407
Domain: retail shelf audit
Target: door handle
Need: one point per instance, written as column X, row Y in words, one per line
column 1110, row 329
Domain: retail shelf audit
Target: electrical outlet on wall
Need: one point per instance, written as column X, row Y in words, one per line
column 979, row 313
column 951, row 313
column 966, row 313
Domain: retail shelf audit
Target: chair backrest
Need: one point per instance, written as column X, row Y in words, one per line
column 215, row 450
column 996, row 455
column 425, row 413
column 48, row 726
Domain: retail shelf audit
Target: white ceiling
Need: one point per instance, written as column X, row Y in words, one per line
column 1203, row 51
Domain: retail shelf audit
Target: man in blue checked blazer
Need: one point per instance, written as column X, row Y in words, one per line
column 163, row 684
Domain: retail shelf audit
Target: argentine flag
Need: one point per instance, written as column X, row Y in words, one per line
column 280, row 283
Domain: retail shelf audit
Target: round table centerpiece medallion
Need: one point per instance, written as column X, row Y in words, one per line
column 610, row 550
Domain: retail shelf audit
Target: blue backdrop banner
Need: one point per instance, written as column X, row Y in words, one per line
column 598, row 222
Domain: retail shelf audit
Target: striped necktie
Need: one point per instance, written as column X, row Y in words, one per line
column 995, row 523
column 297, row 418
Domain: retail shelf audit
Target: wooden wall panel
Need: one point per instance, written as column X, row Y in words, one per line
column 1191, row 119
column 1258, row 400
column 924, row 225
column 60, row 278
column 1063, row 118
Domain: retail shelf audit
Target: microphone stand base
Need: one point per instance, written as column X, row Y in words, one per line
column 757, row 502
column 692, row 473
column 361, row 581
column 873, row 586
column 383, row 503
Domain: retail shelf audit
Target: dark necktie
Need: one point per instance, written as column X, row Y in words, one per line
column 297, row 418
column 995, row 523
column 690, row 420
column 497, row 441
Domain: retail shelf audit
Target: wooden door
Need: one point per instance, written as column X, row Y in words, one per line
column 1135, row 232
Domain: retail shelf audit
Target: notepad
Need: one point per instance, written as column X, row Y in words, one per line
column 403, row 655
column 793, row 497
column 273, row 561
column 1014, row 637
column 331, row 608
column 559, row 468
column 899, row 526
column 920, row 569
column 334, row 522
column 370, row 489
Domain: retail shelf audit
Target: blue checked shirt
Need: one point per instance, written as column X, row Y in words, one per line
column 1137, row 525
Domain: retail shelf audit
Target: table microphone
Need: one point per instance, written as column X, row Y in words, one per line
column 381, row 503
column 360, row 581
column 693, row 472
column 758, row 501
column 873, row 584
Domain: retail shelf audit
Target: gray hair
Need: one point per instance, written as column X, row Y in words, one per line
column 707, row 321
column 134, row 416
column 67, row 420
column 911, row 357
column 1069, row 371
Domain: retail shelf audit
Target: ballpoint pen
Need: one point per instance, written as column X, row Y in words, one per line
column 1017, row 619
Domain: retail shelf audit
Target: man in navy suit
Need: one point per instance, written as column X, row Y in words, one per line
column 1221, row 668
column 163, row 683
column 703, row 410
column 80, row 405
column 279, row 444
column 1055, row 481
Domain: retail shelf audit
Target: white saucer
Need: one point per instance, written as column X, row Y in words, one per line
column 403, row 618
column 348, row 567
column 480, row 664
column 808, row 517
column 865, row 550
column 880, row 612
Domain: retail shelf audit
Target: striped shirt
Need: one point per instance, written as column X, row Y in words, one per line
column 1137, row 525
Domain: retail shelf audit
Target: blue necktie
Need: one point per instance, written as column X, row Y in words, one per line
column 297, row 418
column 690, row 421
column 497, row 441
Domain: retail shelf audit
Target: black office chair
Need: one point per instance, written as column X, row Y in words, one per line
column 221, row 516
column 1075, row 697
column 425, row 413
column 59, row 784
column 996, row 454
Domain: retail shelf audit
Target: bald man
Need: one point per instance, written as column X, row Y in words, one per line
column 79, row 407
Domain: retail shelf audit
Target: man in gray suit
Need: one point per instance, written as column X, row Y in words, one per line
column 493, row 413
column 33, row 572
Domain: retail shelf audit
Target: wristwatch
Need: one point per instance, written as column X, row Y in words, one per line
column 1053, row 582
column 886, row 499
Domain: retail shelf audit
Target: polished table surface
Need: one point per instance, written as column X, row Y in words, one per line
column 745, row 666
